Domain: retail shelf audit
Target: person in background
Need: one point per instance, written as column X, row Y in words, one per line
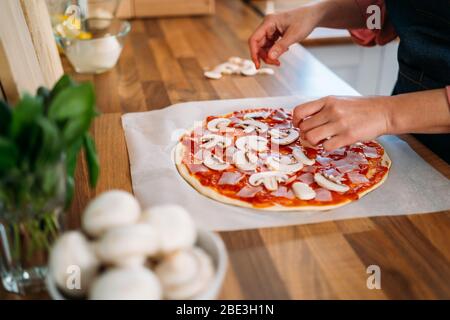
column 421, row 97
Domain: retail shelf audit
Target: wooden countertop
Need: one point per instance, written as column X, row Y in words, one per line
column 161, row 65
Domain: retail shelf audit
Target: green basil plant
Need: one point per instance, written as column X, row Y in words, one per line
column 38, row 133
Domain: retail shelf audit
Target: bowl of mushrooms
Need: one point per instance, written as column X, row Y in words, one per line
column 123, row 253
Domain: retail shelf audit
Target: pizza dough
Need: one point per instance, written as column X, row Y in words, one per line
column 254, row 158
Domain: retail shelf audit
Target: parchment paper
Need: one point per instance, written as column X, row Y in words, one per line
column 413, row 186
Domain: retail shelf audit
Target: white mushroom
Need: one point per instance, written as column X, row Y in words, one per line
column 132, row 283
column 235, row 60
column 245, row 160
column 209, row 141
column 223, row 68
column 298, row 153
column 185, row 274
column 216, row 75
column 174, row 225
column 110, row 209
column 73, row 250
column 214, row 162
column 249, row 70
column 255, row 143
column 236, row 65
column 228, row 68
column 128, row 245
column 303, row 191
column 266, row 71
column 330, row 185
column 270, row 179
column 284, row 137
column 284, row 163
column 257, row 114
column 251, row 125
column 217, row 124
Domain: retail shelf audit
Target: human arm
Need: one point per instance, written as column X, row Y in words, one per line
column 340, row 121
column 278, row 31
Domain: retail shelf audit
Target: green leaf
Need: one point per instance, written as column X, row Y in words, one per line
column 45, row 94
column 25, row 114
column 63, row 83
column 91, row 159
column 71, row 156
column 49, row 180
column 8, row 154
column 50, row 150
column 70, row 190
column 73, row 102
column 75, row 129
column 5, row 117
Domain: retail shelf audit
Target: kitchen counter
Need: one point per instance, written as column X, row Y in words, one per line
column 162, row 64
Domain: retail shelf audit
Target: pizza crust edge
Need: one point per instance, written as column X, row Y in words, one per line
column 214, row 195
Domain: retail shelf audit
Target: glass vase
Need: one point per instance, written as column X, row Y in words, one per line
column 31, row 218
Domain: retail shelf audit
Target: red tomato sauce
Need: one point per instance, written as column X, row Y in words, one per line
column 265, row 198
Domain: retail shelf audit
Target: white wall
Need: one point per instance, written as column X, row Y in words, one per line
column 371, row 71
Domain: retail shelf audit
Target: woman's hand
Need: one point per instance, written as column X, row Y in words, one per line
column 341, row 121
column 278, row 31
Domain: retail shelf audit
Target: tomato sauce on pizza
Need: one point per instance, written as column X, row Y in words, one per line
column 256, row 158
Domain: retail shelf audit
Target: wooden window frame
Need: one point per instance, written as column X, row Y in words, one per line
column 28, row 54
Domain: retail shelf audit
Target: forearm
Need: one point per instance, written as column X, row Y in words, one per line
column 418, row 112
column 339, row 14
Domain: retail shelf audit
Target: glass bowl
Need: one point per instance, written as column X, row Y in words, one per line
column 102, row 8
column 98, row 47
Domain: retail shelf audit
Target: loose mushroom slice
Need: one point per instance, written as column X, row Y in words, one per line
column 209, row 141
column 284, row 163
column 216, row 75
column 214, row 162
column 215, row 125
column 255, row 143
column 330, row 185
column 249, row 70
column 270, row 179
column 284, row 137
column 303, row 191
column 256, row 115
column 266, row 71
column 245, row 160
column 301, row 156
column 228, row 68
column 235, row 60
column 251, row 125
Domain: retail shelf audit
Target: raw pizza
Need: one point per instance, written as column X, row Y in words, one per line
column 256, row 158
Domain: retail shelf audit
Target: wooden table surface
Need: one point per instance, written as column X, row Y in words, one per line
column 162, row 64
